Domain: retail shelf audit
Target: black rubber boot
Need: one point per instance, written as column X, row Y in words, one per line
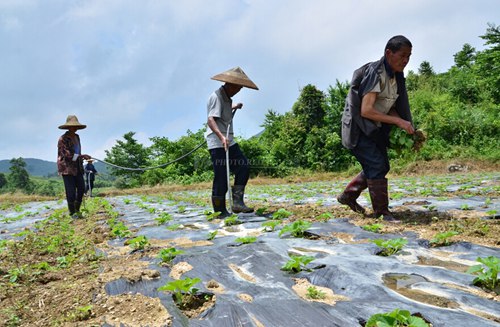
column 77, row 213
column 219, row 204
column 352, row 192
column 380, row 199
column 238, row 204
column 71, row 208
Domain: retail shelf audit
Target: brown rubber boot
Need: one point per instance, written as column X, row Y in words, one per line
column 352, row 192
column 380, row 199
column 219, row 204
column 238, row 195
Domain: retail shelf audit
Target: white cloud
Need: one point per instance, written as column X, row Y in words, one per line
column 145, row 66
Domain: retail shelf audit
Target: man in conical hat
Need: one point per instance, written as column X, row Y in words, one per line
column 220, row 109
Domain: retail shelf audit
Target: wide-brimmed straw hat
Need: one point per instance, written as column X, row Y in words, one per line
column 72, row 121
column 236, row 76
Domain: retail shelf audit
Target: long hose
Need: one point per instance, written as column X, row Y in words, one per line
column 154, row 167
column 175, row 160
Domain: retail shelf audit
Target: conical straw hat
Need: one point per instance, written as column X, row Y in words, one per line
column 236, row 76
column 72, row 121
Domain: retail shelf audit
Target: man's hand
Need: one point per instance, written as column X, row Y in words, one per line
column 239, row 105
column 225, row 143
column 407, row 126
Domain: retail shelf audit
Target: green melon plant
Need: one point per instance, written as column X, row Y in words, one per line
column 270, row 225
column 181, row 288
column 487, row 273
column 168, row 254
column 296, row 229
column 443, row 239
column 390, row 247
column 246, row 239
column 163, row 218
column 281, row 214
column 297, row 263
column 396, row 318
column 374, row 228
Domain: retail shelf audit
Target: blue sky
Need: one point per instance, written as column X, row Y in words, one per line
column 145, row 66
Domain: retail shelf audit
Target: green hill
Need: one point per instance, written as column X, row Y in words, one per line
column 42, row 168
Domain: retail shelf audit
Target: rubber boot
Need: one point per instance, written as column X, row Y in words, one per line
column 219, row 204
column 352, row 192
column 71, row 208
column 380, row 199
column 77, row 213
column 238, row 195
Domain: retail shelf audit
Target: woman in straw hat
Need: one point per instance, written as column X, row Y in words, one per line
column 70, row 164
column 220, row 114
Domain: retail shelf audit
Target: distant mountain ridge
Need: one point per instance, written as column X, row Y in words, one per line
column 42, row 168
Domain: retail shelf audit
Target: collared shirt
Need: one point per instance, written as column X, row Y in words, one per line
column 219, row 106
column 387, row 91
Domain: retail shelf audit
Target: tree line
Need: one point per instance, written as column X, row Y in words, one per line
column 459, row 110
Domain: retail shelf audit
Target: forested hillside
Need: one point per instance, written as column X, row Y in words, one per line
column 459, row 110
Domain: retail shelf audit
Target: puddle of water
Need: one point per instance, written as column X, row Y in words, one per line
column 401, row 283
column 451, row 265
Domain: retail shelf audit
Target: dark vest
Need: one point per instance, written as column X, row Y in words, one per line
column 363, row 81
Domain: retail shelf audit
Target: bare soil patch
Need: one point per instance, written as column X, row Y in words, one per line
column 302, row 286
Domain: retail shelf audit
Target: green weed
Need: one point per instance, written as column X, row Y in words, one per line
column 315, row 293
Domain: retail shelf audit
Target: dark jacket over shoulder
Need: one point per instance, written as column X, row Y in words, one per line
column 363, row 81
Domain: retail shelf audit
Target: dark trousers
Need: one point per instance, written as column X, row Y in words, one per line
column 238, row 165
column 371, row 153
column 89, row 182
column 74, row 186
